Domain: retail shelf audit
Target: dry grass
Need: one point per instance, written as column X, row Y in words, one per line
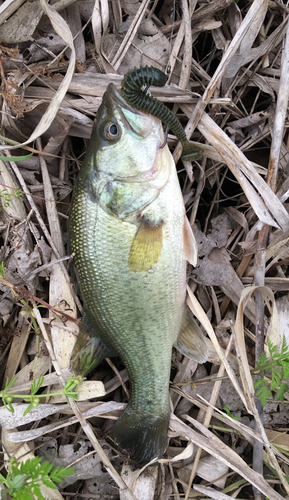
column 229, row 86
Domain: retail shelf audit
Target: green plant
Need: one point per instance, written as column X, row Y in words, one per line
column 34, row 398
column 2, row 270
column 15, row 158
column 227, row 410
column 24, row 479
column 7, row 197
column 273, row 373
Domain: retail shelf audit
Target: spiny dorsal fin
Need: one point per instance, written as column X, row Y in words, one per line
column 146, row 247
column 191, row 341
column 190, row 244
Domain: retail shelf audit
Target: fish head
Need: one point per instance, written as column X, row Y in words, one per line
column 127, row 141
column 126, row 165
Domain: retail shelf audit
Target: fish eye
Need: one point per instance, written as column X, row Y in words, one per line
column 112, row 131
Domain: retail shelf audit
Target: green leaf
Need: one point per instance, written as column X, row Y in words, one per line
column 46, row 468
column 276, row 379
column 230, row 414
column 22, row 494
column 39, row 382
column 283, row 388
column 285, row 369
column 71, row 383
column 258, row 382
column 8, row 406
column 262, row 360
column 50, row 484
column 16, row 158
column 18, row 193
column 35, row 488
column 2, row 479
column 2, row 270
column 275, row 472
column 263, row 392
column 25, row 478
column 26, row 467
column 272, row 348
column 60, row 473
column 9, row 383
column 16, row 482
column 35, row 385
column 28, row 409
column 72, row 395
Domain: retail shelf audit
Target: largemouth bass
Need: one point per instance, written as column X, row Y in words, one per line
column 131, row 239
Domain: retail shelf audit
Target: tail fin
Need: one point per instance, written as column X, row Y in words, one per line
column 141, row 437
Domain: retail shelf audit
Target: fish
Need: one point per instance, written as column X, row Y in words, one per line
column 131, row 241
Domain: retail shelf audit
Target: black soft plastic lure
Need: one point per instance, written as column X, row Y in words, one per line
column 134, row 88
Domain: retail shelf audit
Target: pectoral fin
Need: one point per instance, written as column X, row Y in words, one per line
column 190, row 244
column 191, row 341
column 88, row 351
column 146, row 247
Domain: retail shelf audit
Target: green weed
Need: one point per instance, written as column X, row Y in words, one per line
column 24, row 479
column 273, row 373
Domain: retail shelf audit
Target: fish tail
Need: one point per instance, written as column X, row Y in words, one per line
column 140, row 438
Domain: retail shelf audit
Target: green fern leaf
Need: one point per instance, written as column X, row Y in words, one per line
column 37, row 491
column 263, row 392
column 45, row 468
column 60, row 473
column 276, row 379
column 16, row 482
column 24, row 479
column 23, row 494
column 50, row 484
column 258, row 382
column 27, row 467
column 283, row 388
column 272, row 348
column 285, row 369
column 262, row 360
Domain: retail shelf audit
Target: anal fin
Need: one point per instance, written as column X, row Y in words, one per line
column 146, row 247
column 191, row 341
column 88, row 351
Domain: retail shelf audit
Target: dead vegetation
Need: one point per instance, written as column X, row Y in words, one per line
column 229, row 86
